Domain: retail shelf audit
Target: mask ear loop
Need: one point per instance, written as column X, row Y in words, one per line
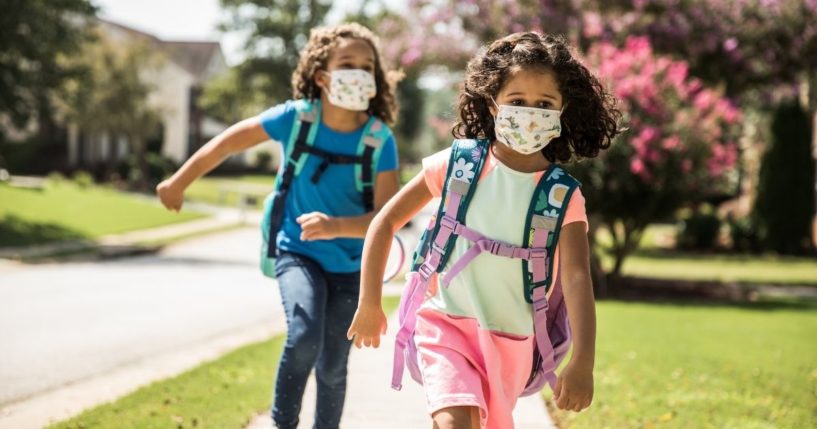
column 328, row 87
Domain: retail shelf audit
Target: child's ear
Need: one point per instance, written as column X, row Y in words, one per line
column 492, row 108
column 322, row 79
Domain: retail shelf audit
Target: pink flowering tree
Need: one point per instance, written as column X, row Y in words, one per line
column 680, row 147
column 763, row 44
column 435, row 32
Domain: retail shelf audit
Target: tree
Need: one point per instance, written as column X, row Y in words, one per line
column 35, row 36
column 112, row 96
column 784, row 207
column 278, row 30
column 763, row 44
column 680, row 147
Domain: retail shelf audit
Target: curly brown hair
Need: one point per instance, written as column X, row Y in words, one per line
column 590, row 118
column 315, row 56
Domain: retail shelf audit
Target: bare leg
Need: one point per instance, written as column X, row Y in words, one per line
column 456, row 418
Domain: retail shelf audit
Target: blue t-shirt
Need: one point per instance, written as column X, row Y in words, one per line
column 335, row 194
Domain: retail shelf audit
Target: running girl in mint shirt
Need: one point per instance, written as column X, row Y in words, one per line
column 320, row 239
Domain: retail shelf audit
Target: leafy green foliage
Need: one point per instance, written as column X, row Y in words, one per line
column 784, row 208
column 277, row 31
column 35, row 38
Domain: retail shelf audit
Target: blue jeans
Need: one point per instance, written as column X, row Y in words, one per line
column 319, row 308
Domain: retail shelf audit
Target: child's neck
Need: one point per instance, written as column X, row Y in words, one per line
column 517, row 161
column 340, row 119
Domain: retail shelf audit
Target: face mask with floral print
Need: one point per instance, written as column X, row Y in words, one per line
column 351, row 89
column 526, row 129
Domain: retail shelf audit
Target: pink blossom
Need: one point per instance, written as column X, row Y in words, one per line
column 704, row 100
column 410, row 56
column 730, row 44
column 637, row 167
column 671, row 143
column 593, row 26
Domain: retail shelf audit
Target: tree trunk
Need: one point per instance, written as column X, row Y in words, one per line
column 812, row 109
column 625, row 241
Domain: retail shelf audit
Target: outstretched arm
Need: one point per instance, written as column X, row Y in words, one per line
column 369, row 322
column 237, row 138
column 574, row 387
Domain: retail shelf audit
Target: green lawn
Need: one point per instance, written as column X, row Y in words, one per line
column 65, row 211
column 655, row 260
column 703, row 366
column 725, row 268
column 223, row 394
column 212, row 189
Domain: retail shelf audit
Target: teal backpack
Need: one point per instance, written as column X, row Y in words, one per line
column 300, row 147
column 540, row 237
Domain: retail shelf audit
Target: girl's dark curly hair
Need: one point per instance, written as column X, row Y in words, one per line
column 590, row 117
column 315, row 56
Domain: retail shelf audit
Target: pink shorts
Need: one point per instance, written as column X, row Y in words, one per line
column 465, row 365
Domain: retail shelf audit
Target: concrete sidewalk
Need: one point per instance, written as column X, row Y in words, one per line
column 372, row 404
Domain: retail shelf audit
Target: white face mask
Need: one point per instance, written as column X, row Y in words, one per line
column 351, row 89
column 526, row 129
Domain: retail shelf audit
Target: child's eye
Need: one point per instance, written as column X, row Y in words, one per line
column 545, row 105
column 517, row 102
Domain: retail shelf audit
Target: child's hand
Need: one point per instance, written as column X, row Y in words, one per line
column 170, row 195
column 317, row 226
column 367, row 326
column 574, row 388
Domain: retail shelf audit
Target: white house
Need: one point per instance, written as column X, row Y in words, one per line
column 177, row 82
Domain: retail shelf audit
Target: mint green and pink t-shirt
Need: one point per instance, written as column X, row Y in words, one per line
column 475, row 338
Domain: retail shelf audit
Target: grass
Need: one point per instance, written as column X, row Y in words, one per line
column 655, row 260
column 225, row 393
column 703, row 366
column 64, row 211
column 209, row 189
column 725, row 268
column 222, row 394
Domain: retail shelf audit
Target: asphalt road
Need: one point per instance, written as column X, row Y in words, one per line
column 62, row 323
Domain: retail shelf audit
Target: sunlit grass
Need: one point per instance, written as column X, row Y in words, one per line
column 65, row 211
column 703, row 366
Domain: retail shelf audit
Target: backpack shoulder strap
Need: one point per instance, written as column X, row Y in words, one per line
column 304, row 129
column 543, row 226
column 375, row 135
column 464, row 168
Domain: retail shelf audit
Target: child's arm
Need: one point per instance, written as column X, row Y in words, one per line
column 320, row 226
column 369, row 322
column 238, row 137
column 574, row 387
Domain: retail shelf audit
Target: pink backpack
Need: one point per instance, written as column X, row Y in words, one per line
column 544, row 221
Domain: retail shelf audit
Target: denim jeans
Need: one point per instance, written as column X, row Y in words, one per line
column 319, row 308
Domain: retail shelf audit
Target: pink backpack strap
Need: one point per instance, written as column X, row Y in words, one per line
column 456, row 195
column 542, row 227
column 540, row 329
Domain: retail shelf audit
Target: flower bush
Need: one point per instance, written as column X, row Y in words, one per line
column 680, row 146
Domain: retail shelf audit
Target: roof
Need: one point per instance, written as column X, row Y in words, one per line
column 194, row 57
